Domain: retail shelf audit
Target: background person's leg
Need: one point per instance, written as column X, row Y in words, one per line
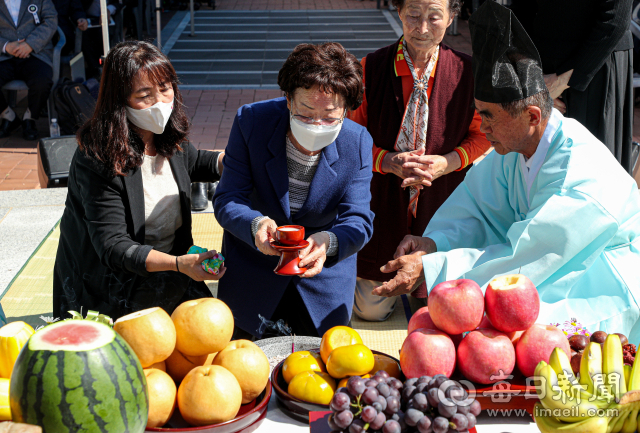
column 371, row 307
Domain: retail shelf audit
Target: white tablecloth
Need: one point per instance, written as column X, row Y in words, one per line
column 278, row 422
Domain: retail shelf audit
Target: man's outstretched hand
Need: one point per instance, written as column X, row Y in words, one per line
column 408, row 263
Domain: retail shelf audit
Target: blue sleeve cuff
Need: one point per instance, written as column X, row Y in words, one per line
column 442, row 243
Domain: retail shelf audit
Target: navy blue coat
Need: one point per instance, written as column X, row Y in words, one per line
column 255, row 182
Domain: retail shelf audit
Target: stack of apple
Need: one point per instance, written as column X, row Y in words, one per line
column 485, row 336
column 191, row 363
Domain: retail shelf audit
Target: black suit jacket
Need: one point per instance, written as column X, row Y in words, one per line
column 101, row 255
column 576, row 34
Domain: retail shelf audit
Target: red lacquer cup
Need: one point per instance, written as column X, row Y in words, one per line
column 290, row 235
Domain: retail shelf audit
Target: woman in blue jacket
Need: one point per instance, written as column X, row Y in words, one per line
column 297, row 160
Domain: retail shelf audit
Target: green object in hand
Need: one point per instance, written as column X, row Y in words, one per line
column 211, row 265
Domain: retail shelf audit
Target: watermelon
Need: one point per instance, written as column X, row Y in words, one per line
column 79, row 376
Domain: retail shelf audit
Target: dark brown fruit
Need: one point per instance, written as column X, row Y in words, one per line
column 578, row 342
column 623, row 338
column 599, row 336
column 573, row 352
column 575, row 362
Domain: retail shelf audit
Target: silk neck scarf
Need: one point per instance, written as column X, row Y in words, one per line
column 413, row 132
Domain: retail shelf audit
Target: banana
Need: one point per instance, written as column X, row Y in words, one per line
column 560, row 363
column 634, row 378
column 591, row 368
column 548, row 424
column 616, row 423
column 565, row 408
column 613, row 366
column 627, row 375
column 631, row 423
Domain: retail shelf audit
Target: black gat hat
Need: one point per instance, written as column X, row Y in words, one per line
column 506, row 64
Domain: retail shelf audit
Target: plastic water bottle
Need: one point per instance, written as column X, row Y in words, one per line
column 54, row 128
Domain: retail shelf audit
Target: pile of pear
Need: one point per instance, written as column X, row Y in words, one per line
column 604, row 398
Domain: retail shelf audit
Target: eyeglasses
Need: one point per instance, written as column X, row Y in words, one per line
column 329, row 121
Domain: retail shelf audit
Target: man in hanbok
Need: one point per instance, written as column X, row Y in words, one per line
column 551, row 202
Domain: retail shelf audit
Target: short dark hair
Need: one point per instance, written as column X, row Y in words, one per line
column 329, row 66
column 107, row 136
column 541, row 100
column 455, row 6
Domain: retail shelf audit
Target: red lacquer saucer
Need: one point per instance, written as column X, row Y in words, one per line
column 289, row 259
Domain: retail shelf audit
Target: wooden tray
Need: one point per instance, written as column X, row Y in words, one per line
column 248, row 419
column 513, row 393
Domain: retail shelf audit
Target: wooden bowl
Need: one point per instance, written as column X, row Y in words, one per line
column 248, row 419
column 292, row 406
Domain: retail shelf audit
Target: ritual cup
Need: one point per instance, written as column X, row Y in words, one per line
column 290, row 235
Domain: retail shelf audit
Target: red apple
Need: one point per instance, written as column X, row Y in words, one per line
column 512, row 303
column 485, row 323
column 456, row 306
column 421, row 319
column 486, row 356
column 515, row 336
column 427, row 352
column 536, row 344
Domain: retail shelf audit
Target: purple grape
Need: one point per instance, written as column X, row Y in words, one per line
column 447, row 384
column 369, row 413
column 395, row 383
column 379, row 379
column 463, row 408
column 383, row 403
column 377, row 423
column 371, row 383
column 424, row 425
column 420, row 402
column 343, row 419
column 472, row 420
column 412, row 416
column 394, row 392
column 391, row 426
column 447, row 408
column 382, row 373
column 357, row 426
column 456, row 393
column 377, row 406
column 383, row 390
column 370, row 395
column 355, row 385
column 343, row 389
column 461, row 421
column 340, row 402
column 422, row 387
column 475, row 408
column 433, row 397
column 437, row 380
column 411, row 382
column 393, row 405
column 424, row 379
column 408, row 392
column 332, row 424
column 440, row 425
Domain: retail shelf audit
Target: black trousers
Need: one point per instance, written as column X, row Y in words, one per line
column 605, row 107
column 92, row 49
column 38, row 76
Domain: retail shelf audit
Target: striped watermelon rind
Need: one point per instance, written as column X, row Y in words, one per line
column 87, row 386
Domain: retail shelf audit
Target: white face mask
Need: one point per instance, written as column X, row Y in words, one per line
column 152, row 119
column 314, row 137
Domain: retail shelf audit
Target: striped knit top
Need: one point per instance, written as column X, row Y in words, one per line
column 301, row 170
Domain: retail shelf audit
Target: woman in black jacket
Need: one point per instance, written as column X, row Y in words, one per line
column 126, row 227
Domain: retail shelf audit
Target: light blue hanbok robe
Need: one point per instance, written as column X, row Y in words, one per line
column 573, row 229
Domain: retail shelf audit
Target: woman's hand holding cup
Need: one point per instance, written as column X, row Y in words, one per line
column 266, row 231
column 191, row 265
column 314, row 256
